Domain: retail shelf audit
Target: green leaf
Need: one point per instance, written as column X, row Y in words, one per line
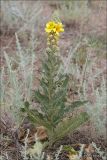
column 77, row 104
column 41, row 98
column 44, row 85
column 36, row 113
column 26, row 107
column 60, row 113
column 38, row 118
column 69, row 126
column 46, row 68
column 26, row 104
column 34, row 116
column 23, row 110
column 59, row 96
column 62, row 81
column 65, row 82
column 58, row 118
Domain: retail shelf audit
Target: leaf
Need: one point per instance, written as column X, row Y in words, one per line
column 38, row 118
column 69, row 125
column 23, row 110
column 26, row 104
column 65, row 82
column 46, row 68
column 59, row 97
column 62, row 81
column 41, row 98
column 33, row 116
column 36, row 113
column 44, row 85
column 58, row 116
column 77, row 104
column 26, row 107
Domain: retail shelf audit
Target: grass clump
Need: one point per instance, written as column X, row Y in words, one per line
column 18, row 16
column 17, row 80
column 97, row 109
column 73, row 12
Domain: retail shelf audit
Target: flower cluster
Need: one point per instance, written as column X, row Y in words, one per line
column 53, row 29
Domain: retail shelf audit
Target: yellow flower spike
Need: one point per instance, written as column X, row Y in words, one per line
column 53, row 30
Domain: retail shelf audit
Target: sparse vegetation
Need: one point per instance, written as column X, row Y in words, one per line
column 58, row 84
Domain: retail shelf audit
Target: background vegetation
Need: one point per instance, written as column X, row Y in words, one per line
column 83, row 52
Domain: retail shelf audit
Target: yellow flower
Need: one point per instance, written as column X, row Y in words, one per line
column 59, row 28
column 54, row 27
column 50, row 27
